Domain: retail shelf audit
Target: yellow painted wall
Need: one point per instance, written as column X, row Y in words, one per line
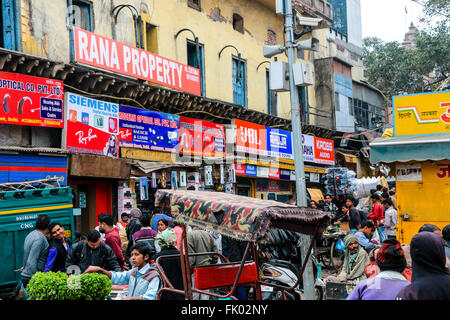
column 424, row 201
column 45, row 33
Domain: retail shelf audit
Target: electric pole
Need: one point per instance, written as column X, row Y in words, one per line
column 308, row 276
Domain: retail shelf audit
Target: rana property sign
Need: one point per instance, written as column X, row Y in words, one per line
column 104, row 53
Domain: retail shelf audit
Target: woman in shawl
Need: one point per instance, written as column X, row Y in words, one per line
column 355, row 260
column 430, row 280
column 171, row 266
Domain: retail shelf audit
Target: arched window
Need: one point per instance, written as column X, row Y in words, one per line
column 238, row 23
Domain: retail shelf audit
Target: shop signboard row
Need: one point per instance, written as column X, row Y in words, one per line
column 99, row 127
column 115, row 56
column 259, row 140
column 31, row 101
column 242, row 169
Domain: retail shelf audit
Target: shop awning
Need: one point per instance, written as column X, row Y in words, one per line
column 151, row 166
column 417, row 148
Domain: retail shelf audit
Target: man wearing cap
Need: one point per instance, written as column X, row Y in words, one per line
column 355, row 260
column 389, row 282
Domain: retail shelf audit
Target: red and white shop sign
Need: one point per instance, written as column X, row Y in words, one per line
column 201, row 138
column 98, row 51
column 274, row 173
column 31, row 101
column 323, row 151
column 250, row 137
column 239, row 169
column 92, row 126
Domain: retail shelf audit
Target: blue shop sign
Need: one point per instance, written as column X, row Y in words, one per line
column 145, row 129
column 279, row 143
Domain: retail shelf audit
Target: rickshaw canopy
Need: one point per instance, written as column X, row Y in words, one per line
column 242, row 218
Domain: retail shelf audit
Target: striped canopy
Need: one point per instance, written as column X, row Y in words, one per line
column 242, row 218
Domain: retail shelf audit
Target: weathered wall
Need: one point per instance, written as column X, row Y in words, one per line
column 45, row 33
column 324, row 92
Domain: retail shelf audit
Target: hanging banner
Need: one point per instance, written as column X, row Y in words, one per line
column 323, row 151
column 262, row 172
column 250, row 137
column 143, row 188
column 183, row 180
column 98, row 51
column 279, row 143
column 31, row 101
column 201, row 138
column 208, row 176
column 145, row 129
column 92, row 126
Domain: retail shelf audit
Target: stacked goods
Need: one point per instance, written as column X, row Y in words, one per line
column 339, row 179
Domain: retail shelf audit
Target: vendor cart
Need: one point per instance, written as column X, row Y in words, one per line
column 242, row 218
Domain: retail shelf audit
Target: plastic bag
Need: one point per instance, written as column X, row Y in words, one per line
column 340, row 245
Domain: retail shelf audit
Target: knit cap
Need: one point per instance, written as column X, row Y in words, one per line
column 391, row 256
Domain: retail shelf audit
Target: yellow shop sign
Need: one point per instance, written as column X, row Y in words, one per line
column 422, row 114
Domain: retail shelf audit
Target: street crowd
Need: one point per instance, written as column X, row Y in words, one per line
column 375, row 263
column 126, row 252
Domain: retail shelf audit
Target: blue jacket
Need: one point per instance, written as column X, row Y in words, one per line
column 143, row 283
column 364, row 242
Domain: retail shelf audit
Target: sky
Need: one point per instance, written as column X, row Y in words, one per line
column 388, row 19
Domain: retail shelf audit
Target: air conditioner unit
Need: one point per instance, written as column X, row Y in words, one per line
column 278, row 76
column 303, row 74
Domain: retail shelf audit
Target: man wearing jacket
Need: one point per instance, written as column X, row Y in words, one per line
column 112, row 237
column 199, row 241
column 59, row 248
column 92, row 252
column 390, row 218
column 35, row 249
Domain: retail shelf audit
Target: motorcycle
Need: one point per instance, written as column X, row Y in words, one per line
column 285, row 273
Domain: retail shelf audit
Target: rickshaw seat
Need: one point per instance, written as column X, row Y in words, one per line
column 224, row 275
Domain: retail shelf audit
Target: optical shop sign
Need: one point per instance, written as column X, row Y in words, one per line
column 31, row 101
column 92, row 126
column 98, row 51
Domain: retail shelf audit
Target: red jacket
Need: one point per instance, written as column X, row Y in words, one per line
column 112, row 239
column 377, row 214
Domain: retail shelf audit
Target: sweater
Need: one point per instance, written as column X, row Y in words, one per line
column 384, row 286
column 112, row 239
column 143, row 283
column 34, row 254
column 390, row 221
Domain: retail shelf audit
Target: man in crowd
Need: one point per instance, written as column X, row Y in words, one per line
column 330, row 206
column 35, row 249
column 132, row 226
column 124, row 219
column 354, row 222
column 391, row 262
column 355, row 260
column 199, row 241
column 377, row 214
column 390, row 218
column 59, row 247
column 379, row 190
column 112, row 237
column 92, row 252
column 393, row 198
column 364, row 235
